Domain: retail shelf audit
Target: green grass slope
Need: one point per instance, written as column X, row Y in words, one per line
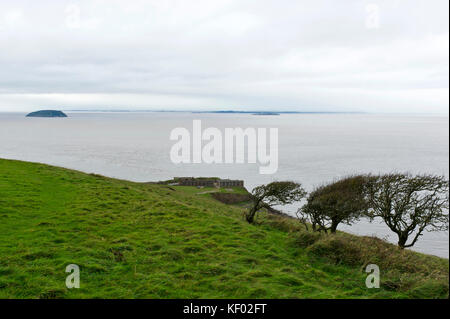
column 136, row 240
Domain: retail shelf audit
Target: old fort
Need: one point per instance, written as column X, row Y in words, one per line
column 208, row 182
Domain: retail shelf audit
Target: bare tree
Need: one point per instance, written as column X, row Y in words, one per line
column 409, row 204
column 275, row 193
column 342, row 201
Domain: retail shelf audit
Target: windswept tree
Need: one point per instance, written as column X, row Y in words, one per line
column 343, row 201
column 409, row 205
column 275, row 193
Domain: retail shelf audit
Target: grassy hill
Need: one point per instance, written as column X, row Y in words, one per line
column 143, row 240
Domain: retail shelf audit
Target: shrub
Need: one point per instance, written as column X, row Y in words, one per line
column 401, row 270
column 282, row 223
column 337, row 249
column 306, row 239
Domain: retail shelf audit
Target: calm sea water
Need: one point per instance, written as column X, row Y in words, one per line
column 313, row 149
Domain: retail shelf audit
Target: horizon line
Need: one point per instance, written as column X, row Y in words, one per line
column 221, row 111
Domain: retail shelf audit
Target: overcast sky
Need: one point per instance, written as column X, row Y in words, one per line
column 303, row 55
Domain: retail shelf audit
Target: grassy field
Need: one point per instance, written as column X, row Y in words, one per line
column 136, row 240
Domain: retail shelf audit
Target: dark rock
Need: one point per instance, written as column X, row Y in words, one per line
column 47, row 113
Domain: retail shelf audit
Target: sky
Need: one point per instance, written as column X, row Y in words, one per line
column 377, row 56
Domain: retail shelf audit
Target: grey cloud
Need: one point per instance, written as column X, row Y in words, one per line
column 299, row 55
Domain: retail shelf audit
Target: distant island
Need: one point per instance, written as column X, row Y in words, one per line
column 266, row 113
column 212, row 112
column 47, row 113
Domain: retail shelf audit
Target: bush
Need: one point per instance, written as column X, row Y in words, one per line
column 401, row 270
column 436, row 289
column 306, row 239
column 282, row 223
column 337, row 249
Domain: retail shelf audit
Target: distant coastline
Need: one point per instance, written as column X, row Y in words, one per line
column 266, row 113
column 215, row 112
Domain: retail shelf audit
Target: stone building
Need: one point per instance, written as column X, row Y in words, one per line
column 230, row 183
column 208, row 182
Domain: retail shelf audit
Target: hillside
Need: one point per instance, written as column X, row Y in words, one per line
column 144, row 240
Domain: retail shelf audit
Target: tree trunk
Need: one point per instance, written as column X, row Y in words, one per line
column 402, row 240
column 251, row 214
column 333, row 228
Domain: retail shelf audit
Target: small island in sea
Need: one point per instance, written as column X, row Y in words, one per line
column 47, row 113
